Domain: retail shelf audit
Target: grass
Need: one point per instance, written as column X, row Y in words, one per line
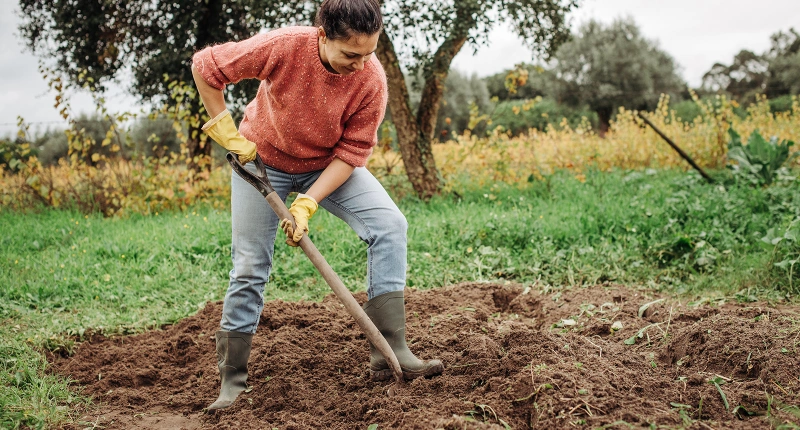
column 664, row 229
column 64, row 273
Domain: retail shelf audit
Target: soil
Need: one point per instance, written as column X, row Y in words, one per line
column 514, row 357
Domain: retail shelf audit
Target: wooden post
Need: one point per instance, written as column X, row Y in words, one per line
column 677, row 149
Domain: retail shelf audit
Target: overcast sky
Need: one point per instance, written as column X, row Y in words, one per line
column 697, row 33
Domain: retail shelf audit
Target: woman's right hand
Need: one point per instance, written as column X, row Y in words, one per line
column 224, row 131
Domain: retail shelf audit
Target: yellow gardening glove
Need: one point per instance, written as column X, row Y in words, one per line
column 302, row 209
column 223, row 130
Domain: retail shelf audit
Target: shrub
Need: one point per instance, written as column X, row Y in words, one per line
column 14, row 154
column 98, row 175
column 154, row 136
column 518, row 116
column 90, row 181
column 759, row 159
column 114, row 186
column 781, row 104
column 51, row 147
column 687, row 110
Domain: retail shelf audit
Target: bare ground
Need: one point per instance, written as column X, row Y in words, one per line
column 514, row 357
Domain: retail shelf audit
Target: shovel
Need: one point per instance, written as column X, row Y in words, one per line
column 261, row 182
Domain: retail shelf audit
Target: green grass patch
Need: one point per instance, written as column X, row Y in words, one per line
column 65, row 273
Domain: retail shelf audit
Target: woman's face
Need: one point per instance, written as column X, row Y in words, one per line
column 346, row 56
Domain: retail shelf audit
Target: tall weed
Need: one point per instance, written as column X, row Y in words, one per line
column 96, row 177
column 629, row 144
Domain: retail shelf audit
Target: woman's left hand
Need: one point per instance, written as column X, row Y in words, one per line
column 302, row 209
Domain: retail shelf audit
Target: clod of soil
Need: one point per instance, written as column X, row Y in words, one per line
column 514, row 357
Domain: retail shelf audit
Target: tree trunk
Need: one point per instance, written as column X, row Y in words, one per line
column 604, row 120
column 415, row 134
column 417, row 156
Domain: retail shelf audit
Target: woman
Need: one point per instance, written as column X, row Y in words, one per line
column 314, row 122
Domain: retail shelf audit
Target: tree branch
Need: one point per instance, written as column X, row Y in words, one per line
column 433, row 90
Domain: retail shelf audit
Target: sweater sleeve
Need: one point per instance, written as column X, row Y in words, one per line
column 232, row 62
column 361, row 130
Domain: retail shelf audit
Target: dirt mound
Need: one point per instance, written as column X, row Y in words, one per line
column 514, row 357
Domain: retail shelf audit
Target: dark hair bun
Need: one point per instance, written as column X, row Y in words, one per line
column 341, row 19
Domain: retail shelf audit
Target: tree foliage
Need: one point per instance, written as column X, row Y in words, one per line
column 784, row 64
column 774, row 73
column 95, row 42
column 745, row 77
column 141, row 45
column 612, row 66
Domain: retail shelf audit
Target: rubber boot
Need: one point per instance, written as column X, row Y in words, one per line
column 233, row 351
column 388, row 313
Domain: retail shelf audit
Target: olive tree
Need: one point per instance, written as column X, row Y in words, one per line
column 609, row 66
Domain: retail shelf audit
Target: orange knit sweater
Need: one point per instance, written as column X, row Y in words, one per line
column 303, row 115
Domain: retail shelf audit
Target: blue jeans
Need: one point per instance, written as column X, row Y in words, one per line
column 361, row 202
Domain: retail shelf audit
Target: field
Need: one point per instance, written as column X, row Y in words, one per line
column 516, row 357
column 513, row 295
column 564, row 280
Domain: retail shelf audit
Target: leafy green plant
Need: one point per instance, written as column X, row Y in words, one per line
column 782, row 103
column 640, row 334
column 685, row 251
column 687, row 111
column 759, row 159
column 785, row 246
